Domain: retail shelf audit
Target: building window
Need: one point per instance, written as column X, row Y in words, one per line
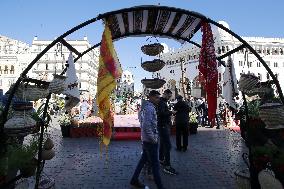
column 219, row 50
column 1, row 68
column 227, row 48
column 276, row 75
column 220, row 77
column 267, row 76
column 6, row 70
column 268, row 51
column 259, row 76
column 46, row 66
column 258, row 64
column 275, row 64
column 223, row 49
column 249, row 64
column 12, row 71
column 240, row 63
column 281, row 51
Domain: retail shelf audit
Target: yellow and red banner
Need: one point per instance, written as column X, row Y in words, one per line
column 109, row 72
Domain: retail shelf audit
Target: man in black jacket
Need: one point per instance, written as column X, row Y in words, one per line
column 164, row 125
column 182, row 110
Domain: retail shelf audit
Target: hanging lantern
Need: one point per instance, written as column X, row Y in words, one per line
column 153, row 66
column 155, row 83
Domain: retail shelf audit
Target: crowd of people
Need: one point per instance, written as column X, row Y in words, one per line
column 155, row 117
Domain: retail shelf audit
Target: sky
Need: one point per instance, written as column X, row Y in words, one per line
column 48, row 19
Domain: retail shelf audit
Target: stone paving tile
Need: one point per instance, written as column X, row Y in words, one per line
column 210, row 162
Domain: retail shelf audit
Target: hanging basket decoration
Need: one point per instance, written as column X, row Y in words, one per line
column 31, row 92
column 22, row 106
column 247, row 82
column 272, row 114
column 47, row 154
column 57, row 85
column 21, row 124
column 153, row 66
column 155, row 83
column 152, row 49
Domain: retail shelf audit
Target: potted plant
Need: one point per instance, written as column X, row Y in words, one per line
column 193, row 123
column 65, row 124
column 23, row 157
column 37, row 116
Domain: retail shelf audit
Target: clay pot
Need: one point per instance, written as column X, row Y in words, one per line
column 48, row 144
column 47, row 154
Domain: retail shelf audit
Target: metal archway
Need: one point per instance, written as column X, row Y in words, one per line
column 161, row 21
column 172, row 22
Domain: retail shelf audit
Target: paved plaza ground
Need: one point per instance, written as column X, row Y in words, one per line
column 210, row 162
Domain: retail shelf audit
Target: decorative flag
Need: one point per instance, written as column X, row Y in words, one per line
column 230, row 89
column 208, row 69
column 109, row 72
column 71, row 85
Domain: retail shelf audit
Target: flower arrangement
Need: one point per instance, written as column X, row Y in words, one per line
column 64, row 120
column 193, row 117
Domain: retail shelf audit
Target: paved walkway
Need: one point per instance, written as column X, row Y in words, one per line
column 210, row 162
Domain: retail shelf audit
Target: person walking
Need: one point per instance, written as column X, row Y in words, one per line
column 164, row 125
column 149, row 136
column 182, row 110
column 84, row 107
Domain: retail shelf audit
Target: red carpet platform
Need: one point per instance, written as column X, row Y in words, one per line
column 126, row 127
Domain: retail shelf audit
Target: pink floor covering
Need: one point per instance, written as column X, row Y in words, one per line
column 126, row 127
column 130, row 120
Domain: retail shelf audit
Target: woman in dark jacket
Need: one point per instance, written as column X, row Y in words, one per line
column 182, row 110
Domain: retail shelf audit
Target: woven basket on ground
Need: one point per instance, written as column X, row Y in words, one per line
column 21, row 124
column 57, row 85
column 153, row 83
column 153, row 66
column 152, row 49
column 272, row 114
column 31, row 92
column 247, row 82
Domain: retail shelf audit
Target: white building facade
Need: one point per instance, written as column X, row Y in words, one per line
column 15, row 57
column 187, row 58
column 125, row 84
column 55, row 59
